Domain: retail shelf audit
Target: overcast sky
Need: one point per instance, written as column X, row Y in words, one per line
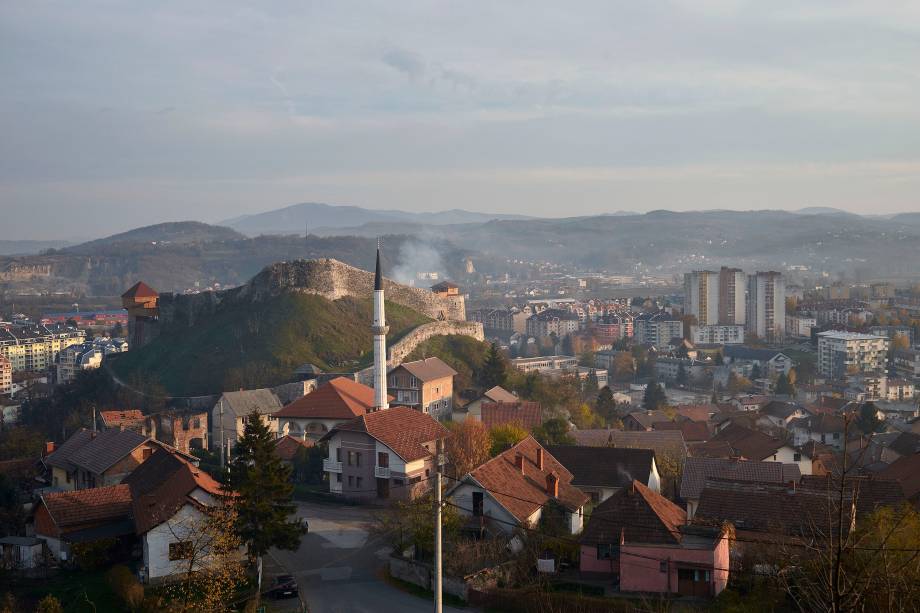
column 119, row 114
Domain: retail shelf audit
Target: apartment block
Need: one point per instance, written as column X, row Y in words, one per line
column 701, row 296
column 717, row 335
column 848, row 353
column 766, row 306
column 35, row 348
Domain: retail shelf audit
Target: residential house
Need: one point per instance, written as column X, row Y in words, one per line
column 823, row 428
column 770, row 362
column 552, row 321
column 906, row 471
column 473, row 409
column 749, row 444
column 424, row 385
column 528, row 415
column 750, row 402
column 384, row 455
column 287, row 447
column 21, row 552
column 694, row 432
column 664, row 443
column 89, row 459
column 231, row 412
column 698, row 470
column 642, row 538
column 63, row 519
column 170, row 497
column 642, row 421
column 601, row 472
column 517, row 488
column 332, row 403
column 777, row 414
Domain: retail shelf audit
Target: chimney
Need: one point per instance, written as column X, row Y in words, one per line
column 519, row 462
column 540, row 458
column 552, row 485
column 49, row 448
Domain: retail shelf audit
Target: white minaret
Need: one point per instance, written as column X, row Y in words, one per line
column 380, row 342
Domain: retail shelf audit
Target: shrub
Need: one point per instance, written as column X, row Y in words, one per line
column 49, row 604
column 126, row 586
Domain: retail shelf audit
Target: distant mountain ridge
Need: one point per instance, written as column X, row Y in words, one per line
column 313, row 216
column 176, row 232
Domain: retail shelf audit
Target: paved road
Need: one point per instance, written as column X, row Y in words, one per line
column 339, row 565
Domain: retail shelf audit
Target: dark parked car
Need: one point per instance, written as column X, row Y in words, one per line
column 283, row 586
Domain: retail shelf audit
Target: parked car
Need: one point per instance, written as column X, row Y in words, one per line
column 283, row 586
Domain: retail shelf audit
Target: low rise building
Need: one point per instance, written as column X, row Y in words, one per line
column 545, row 363
column 90, row 459
column 601, row 472
column 800, row 326
column 843, row 353
column 384, row 455
column 552, row 321
column 657, row 329
column 231, row 412
column 331, row 404
column 86, row 356
column 424, row 385
column 717, row 335
column 770, row 362
column 494, row 320
column 907, row 363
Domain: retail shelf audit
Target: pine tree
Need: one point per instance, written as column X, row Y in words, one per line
column 264, row 500
column 591, row 382
column 654, row 396
column 783, row 387
column 494, row 370
column 605, row 405
column 755, row 372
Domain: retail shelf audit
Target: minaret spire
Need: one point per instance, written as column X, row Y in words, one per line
column 380, row 340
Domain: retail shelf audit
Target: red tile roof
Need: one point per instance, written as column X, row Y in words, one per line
column 402, row 429
column 287, row 447
column 128, row 417
column 697, row 412
column 140, row 290
column 693, row 431
column 522, row 493
column 906, row 471
column 635, row 514
column 747, row 443
column 83, row 509
column 341, row 398
column 528, row 415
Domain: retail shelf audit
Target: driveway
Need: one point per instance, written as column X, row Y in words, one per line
column 339, row 566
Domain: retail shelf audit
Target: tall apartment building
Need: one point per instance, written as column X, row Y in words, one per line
column 35, row 348
column 766, row 306
column 701, row 296
column 732, row 297
column 847, row 353
column 493, row 319
column 657, row 328
column 6, row 376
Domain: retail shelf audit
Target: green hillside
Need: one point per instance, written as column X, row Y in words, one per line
column 462, row 353
column 260, row 344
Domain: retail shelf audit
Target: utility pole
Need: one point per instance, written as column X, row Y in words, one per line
column 437, row 527
column 94, row 419
column 221, row 411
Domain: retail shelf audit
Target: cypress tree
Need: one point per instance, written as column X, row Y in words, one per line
column 494, row 370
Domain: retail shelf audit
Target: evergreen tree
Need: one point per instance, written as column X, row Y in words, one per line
column 605, row 405
column 755, row 372
column 567, row 348
column 554, row 432
column 591, row 383
column 654, row 397
column 262, row 482
column 682, row 377
column 494, row 369
column 783, row 387
column 719, row 360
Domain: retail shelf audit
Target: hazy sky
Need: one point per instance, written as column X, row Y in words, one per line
column 118, row 114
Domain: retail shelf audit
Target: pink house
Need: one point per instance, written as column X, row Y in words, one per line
column 642, row 539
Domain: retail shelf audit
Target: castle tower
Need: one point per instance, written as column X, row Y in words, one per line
column 141, row 302
column 380, row 342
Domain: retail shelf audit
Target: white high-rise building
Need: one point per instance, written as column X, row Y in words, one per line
column 380, row 342
column 766, row 306
column 849, row 353
column 701, row 296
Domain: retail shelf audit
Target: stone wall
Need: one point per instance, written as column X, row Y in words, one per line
column 422, row 575
column 398, row 351
column 328, row 278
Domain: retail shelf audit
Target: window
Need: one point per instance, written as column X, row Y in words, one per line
column 415, row 479
column 351, row 458
column 357, row 458
column 398, row 482
column 796, row 457
column 338, row 454
column 338, row 477
column 663, row 567
column 182, row 550
column 427, row 472
column 606, row 551
column 477, row 503
column 196, row 423
column 358, row 482
column 146, row 453
column 351, row 481
column 383, row 459
column 836, row 436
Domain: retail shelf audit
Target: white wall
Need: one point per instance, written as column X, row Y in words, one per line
column 157, row 540
column 654, row 479
column 462, row 496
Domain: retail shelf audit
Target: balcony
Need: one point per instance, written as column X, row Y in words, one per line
column 331, row 466
column 382, row 472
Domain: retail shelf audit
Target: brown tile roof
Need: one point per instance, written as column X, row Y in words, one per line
column 83, row 509
column 647, row 418
column 522, row 493
column 693, row 431
column 162, row 485
column 661, row 442
column 698, row 470
column 635, row 514
column 105, row 449
column 140, row 290
column 402, row 429
column 907, row 443
column 604, row 466
column 428, row 369
column 287, row 447
column 820, row 423
column 129, row 417
column 60, row 457
column 747, row 443
column 340, row 398
column 781, row 508
column 906, row 471
column 697, row 412
column 526, row 414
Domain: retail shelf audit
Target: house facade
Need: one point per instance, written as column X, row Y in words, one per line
column 333, row 403
column 424, row 385
column 386, row 455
